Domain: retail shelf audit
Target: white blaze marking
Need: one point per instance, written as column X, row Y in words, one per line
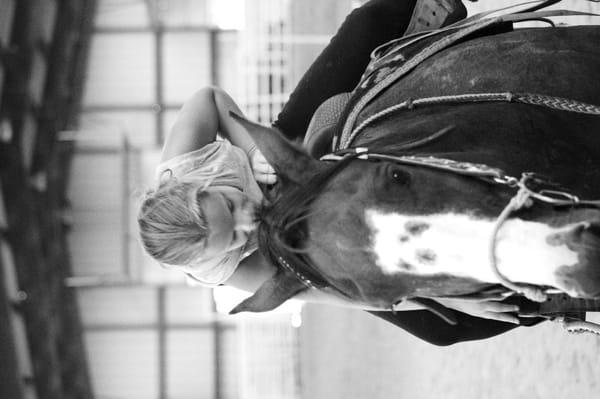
column 461, row 247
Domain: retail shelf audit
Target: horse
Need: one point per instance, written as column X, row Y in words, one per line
column 474, row 169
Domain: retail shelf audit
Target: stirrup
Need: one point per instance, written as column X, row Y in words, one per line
column 433, row 14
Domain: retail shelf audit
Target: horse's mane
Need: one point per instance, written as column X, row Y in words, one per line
column 283, row 232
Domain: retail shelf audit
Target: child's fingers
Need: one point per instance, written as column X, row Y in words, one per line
column 508, row 318
column 263, row 171
column 260, row 164
column 263, row 167
column 270, row 178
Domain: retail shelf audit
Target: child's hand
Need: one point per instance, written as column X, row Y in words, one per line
column 484, row 308
column 263, row 172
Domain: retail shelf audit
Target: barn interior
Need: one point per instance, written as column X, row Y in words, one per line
column 88, row 91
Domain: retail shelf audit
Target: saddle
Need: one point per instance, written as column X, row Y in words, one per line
column 331, row 126
column 427, row 15
column 319, row 133
column 395, row 59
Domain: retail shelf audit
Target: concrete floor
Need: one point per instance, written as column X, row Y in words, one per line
column 349, row 354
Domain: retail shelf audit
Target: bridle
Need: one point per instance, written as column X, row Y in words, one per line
column 527, row 194
column 552, row 102
column 530, row 188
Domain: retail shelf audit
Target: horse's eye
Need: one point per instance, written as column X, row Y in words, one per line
column 399, row 175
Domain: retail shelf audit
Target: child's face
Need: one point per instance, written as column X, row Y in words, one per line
column 230, row 218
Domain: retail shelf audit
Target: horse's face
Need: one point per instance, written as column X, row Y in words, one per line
column 380, row 231
column 385, row 230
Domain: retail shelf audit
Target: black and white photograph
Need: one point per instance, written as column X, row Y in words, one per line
column 299, row 199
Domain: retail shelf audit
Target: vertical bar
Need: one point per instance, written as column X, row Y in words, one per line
column 125, row 214
column 218, row 349
column 158, row 93
column 214, row 54
column 271, row 50
column 285, row 53
column 162, row 342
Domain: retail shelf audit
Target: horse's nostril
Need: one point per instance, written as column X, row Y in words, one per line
column 555, row 239
column 426, row 256
column 406, row 266
column 416, row 228
column 403, row 238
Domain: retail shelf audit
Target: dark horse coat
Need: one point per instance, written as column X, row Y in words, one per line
column 379, row 232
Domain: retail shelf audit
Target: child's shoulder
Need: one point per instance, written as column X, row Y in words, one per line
column 206, row 159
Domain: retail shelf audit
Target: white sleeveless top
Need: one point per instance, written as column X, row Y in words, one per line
column 217, row 164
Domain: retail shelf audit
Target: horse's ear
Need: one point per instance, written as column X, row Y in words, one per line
column 279, row 288
column 289, row 161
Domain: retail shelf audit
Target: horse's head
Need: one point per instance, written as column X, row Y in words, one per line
column 379, row 231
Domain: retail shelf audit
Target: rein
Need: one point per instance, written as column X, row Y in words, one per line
column 524, row 197
column 558, row 103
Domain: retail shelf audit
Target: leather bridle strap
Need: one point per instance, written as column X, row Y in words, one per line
column 447, row 165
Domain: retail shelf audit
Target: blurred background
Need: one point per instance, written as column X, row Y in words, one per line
column 88, row 91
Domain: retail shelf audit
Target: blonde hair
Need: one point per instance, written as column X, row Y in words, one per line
column 171, row 222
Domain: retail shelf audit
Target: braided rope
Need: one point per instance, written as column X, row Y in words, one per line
column 559, row 103
column 579, row 327
column 428, row 51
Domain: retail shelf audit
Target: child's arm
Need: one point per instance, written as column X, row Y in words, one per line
column 197, row 125
column 204, row 115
